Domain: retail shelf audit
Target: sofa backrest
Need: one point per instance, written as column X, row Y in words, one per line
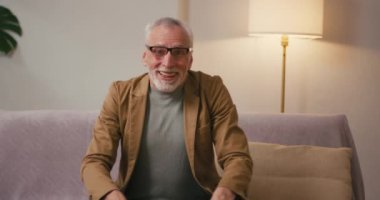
column 41, row 151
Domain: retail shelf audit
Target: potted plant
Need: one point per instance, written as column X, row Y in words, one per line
column 9, row 26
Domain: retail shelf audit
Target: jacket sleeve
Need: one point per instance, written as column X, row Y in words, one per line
column 230, row 142
column 101, row 153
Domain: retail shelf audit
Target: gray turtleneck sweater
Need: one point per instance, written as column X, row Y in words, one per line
column 163, row 171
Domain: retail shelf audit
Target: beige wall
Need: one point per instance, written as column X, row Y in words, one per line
column 71, row 51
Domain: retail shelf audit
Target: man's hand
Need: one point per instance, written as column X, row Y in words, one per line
column 115, row 195
column 222, row 193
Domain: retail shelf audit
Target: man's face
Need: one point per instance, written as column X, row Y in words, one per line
column 167, row 71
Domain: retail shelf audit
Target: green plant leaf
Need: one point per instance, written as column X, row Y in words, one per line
column 8, row 17
column 7, row 42
column 9, row 25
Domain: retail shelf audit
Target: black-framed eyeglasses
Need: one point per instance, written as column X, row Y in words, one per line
column 160, row 51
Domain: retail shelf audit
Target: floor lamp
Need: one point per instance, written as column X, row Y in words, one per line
column 286, row 19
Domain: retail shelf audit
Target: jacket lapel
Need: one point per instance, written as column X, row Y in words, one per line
column 191, row 107
column 137, row 115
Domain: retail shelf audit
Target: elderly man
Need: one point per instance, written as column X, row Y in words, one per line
column 170, row 123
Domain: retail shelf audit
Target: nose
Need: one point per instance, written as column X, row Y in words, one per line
column 168, row 60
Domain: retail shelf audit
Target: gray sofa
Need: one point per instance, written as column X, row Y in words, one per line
column 41, row 151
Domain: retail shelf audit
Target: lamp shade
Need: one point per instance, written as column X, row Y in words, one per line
column 299, row 18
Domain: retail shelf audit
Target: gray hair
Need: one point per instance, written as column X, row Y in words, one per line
column 168, row 21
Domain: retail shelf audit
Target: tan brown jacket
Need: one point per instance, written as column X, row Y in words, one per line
column 210, row 118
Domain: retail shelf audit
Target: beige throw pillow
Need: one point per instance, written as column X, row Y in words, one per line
column 300, row 172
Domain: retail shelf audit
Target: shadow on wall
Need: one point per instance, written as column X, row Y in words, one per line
column 16, row 83
column 352, row 22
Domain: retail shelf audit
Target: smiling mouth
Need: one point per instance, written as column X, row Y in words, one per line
column 165, row 75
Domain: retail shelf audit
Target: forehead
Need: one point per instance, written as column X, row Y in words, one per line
column 168, row 36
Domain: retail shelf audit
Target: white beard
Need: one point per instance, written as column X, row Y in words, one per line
column 165, row 86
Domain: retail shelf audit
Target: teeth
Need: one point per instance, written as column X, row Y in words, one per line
column 167, row 73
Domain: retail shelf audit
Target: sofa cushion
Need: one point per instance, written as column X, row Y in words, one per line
column 300, row 172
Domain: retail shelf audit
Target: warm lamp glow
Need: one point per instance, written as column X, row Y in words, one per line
column 298, row 18
column 286, row 18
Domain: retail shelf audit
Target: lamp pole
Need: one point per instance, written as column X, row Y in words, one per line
column 284, row 44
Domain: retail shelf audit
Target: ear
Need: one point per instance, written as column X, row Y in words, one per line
column 190, row 62
column 143, row 58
